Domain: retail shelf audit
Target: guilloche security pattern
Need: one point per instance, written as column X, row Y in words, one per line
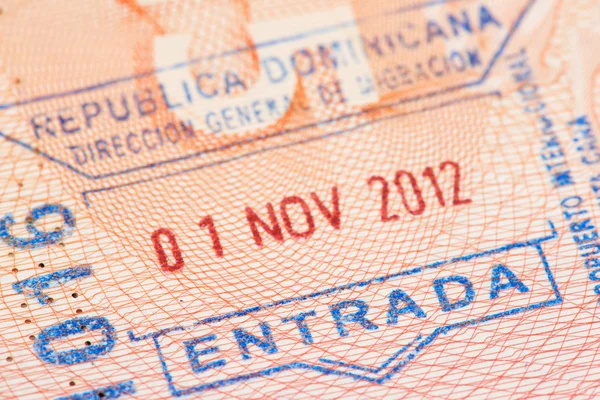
column 314, row 199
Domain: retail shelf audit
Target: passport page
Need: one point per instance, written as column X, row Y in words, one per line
column 251, row 199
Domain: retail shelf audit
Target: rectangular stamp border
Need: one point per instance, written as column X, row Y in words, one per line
column 401, row 357
column 157, row 164
column 85, row 193
column 186, row 63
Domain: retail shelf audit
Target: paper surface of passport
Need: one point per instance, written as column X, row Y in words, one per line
column 317, row 199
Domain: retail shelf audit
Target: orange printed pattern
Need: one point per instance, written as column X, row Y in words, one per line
column 317, row 199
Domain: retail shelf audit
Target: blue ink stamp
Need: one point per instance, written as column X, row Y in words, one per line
column 93, row 157
column 394, row 318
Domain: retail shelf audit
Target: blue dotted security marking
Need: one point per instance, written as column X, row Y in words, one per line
column 104, row 393
column 34, row 287
column 38, row 238
column 376, row 374
column 73, row 327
